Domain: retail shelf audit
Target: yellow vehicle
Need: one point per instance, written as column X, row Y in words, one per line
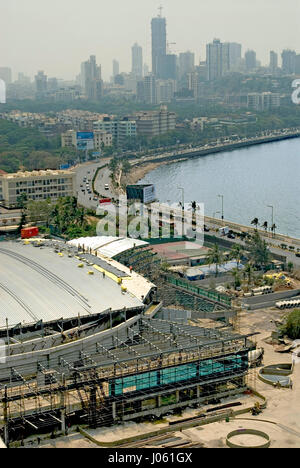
column 278, row 277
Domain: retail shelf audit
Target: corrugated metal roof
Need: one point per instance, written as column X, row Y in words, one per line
column 108, row 246
column 38, row 284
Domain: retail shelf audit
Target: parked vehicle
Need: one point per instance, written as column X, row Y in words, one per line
column 224, row 231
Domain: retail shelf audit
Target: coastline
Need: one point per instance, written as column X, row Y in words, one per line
column 139, row 172
column 141, row 169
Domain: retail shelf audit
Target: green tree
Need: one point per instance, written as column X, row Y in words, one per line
column 237, row 253
column 215, row 256
column 291, row 327
column 237, row 279
column 255, row 222
column 258, row 250
column 248, row 273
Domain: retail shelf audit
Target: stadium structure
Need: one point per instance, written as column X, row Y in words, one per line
column 87, row 342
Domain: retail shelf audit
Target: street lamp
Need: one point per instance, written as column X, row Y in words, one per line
column 182, row 191
column 272, row 207
column 222, row 197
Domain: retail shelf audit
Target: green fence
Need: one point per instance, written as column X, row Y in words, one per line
column 212, row 295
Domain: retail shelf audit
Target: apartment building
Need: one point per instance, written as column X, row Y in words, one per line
column 36, row 185
column 101, row 138
column 155, row 123
column 263, row 101
column 120, row 129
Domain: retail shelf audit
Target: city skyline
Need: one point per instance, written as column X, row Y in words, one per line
column 280, row 22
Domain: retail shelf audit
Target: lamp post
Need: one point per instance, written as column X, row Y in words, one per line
column 182, row 192
column 222, row 198
column 272, row 207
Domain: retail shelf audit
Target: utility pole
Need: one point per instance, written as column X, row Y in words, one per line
column 222, row 197
column 272, row 225
column 182, row 203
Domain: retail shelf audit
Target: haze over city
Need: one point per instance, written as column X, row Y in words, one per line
column 57, row 36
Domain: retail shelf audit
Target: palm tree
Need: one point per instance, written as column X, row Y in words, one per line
column 194, row 206
column 237, row 253
column 273, row 229
column 236, row 275
column 255, row 222
column 249, row 272
column 216, row 257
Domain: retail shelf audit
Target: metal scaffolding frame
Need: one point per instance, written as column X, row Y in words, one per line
column 83, row 383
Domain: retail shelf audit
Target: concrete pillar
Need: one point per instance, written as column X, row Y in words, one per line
column 62, row 405
column 177, row 396
column 5, row 417
column 159, row 401
column 198, row 391
column 63, row 421
column 114, row 411
column 6, row 436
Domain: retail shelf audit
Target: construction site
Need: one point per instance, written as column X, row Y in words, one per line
column 90, row 342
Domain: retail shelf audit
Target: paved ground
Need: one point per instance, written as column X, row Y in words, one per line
column 270, row 299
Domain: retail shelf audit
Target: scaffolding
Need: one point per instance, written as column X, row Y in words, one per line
column 146, row 369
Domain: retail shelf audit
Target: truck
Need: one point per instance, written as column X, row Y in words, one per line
column 28, row 233
column 224, row 231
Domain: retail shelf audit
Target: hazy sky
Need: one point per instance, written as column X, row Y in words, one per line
column 57, row 35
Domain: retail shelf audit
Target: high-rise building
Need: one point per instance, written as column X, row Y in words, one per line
column 250, row 60
column 288, row 61
column 137, row 61
column 273, row 61
column 116, row 68
column 232, row 54
column 146, row 69
column 52, row 84
column 150, row 89
column 167, row 67
column 41, row 84
column 146, row 89
column 165, row 90
column 192, row 83
column 91, row 79
column 22, row 79
column 6, row 75
column 186, row 63
column 214, row 59
column 159, row 42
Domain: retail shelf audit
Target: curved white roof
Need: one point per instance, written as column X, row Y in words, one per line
column 108, row 246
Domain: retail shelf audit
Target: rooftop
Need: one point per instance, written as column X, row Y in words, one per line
column 25, row 174
column 107, row 245
column 46, row 283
